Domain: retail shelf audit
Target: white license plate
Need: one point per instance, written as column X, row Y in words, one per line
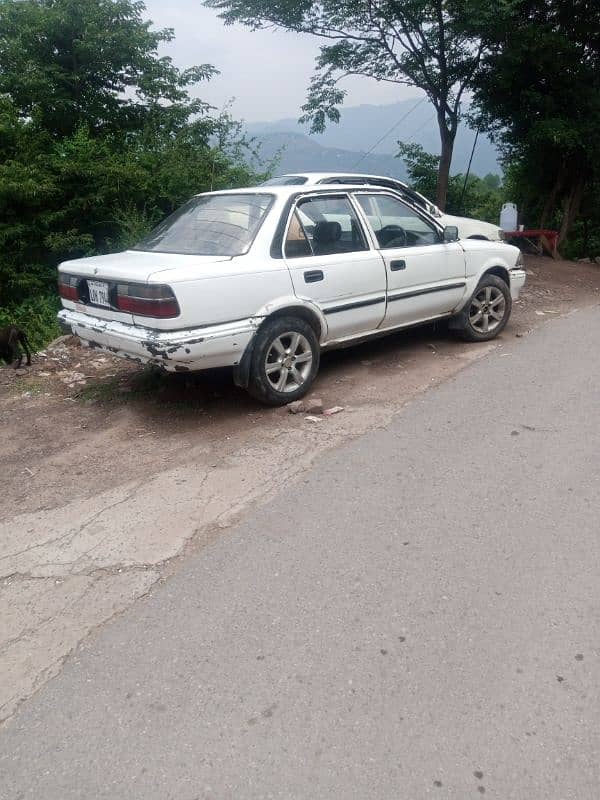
column 98, row 291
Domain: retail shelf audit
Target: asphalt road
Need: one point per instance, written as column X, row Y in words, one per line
column 418, row 616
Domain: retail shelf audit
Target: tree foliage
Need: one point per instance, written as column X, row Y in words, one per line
column 99, row 138
column 472, row 196
column 538, row 93
column 431, row 44
column 68, row 64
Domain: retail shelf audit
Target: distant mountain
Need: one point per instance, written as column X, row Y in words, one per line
column 300, row 153
column 360, row 128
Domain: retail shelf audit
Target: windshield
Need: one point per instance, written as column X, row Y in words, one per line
column 286, row 180
column 210, row 225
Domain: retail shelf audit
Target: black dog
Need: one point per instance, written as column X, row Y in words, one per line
column 11, row 342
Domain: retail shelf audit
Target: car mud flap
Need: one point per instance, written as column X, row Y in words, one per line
column 458, row 321
column 241, row 371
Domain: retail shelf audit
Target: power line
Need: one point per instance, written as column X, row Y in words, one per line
column 385, row 135
column 420, row 128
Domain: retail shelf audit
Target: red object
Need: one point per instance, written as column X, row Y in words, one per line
column 547, row 240
column 67, row 287
column 161, row 309
column 147, row 301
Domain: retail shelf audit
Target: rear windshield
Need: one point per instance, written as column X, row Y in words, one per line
column 210, row 225
column 286, row 180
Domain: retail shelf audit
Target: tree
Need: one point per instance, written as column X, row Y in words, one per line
column 99, row 139
column 538, row 94
column 430, row 44
column 472, row 196
column 72, row 63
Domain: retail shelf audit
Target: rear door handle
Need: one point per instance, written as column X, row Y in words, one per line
column 313, row 275
column 396, row 265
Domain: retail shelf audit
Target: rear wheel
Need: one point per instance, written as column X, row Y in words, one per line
column 285, row 361
column 489, row 310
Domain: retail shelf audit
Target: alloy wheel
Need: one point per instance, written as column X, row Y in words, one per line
column 288, row 362
column 487, row 311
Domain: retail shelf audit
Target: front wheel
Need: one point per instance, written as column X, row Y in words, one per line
column 488, row 310
column 285, row 361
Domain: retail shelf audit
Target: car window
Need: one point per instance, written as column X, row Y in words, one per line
column 324, row 226
column 286, row 180
column 211, row 225
column 348, row 181
column 387, row 183
column 396, row 224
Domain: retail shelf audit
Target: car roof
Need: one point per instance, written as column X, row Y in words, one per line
column 295, row 189
column 318, row 176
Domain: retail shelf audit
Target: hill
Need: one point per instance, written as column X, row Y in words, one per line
column 300, row 153
column 341, row 146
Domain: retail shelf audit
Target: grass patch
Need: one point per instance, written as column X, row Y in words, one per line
column 164, row 390
column 32, row 387
column 118, row 388
column 26, row 385
column 104, row 391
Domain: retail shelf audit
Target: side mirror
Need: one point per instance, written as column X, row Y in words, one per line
column 450, row 233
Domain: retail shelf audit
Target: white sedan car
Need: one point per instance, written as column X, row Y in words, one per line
column 468, row 228
column 263, row 279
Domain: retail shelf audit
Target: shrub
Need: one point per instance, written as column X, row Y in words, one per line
column 37, row 317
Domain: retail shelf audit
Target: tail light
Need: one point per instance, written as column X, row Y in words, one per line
column 147, row 300
column 68, row 286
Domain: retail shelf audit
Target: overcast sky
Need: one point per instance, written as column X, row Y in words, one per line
column 267, row 72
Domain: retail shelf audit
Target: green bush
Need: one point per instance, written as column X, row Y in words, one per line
column 37, row 317
column 94, row 151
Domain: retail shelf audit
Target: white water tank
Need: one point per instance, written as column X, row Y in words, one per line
column 509, row 217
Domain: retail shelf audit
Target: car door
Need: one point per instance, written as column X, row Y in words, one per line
column 332, row 263
column 425, row 275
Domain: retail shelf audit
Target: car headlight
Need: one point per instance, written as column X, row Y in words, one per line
column 520, row 262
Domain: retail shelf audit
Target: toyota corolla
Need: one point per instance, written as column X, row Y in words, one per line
column 264, row 279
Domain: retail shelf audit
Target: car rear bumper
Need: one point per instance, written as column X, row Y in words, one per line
column 517, row 281
column 176, row 351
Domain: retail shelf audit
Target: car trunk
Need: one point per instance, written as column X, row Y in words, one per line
column 94, row 285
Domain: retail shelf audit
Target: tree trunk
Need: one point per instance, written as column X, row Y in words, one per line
column 571, row 209
column 586, row 236
column 551, row 199
column 447, row 142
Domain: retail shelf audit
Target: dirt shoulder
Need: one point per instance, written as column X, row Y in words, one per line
column 110, row 472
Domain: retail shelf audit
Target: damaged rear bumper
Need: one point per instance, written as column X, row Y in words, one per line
column 187, row 350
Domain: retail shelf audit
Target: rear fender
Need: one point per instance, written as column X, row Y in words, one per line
column 283, row 305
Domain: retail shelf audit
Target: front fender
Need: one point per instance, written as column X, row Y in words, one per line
column 497, row 257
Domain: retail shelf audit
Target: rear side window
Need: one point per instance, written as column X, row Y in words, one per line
column 324, row 226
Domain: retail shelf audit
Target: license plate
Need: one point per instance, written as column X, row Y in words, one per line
column 98, row 291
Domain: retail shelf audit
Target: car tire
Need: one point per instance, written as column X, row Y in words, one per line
column 488, row 310
column 285, row 361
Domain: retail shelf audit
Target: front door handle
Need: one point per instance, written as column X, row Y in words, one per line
column 313, row 275
column 396, row 265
